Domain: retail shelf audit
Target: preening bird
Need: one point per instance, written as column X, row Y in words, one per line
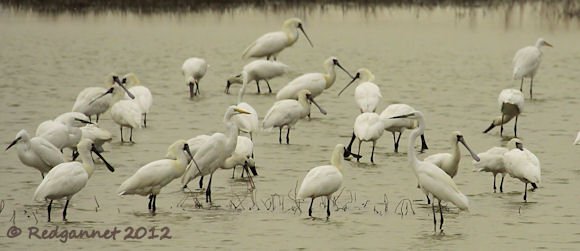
column 324, row 180
column 36, row 152
column 432, row 179
column 285, row 113
column 522, row 164
column 527, row 61
column 368, row 126
column 193, row 70
column 67, row 179
column 400, row 124
column 367, row 94
column 258, row 70
column 151, row 178
column 271, row 44
column 511, row 104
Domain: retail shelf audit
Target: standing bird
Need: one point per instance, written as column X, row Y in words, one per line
column 247, row 123
column 368, row 126
column 367, row 94
column 449, row 162
column 432, row 179
column 285, row 113
column 36, row 152
column 193, row 70
column 511, row 104
column 98, row 135
column 259, row 70
column 400, row 124
column 67, row 179
column 214, row 151
column 242, row 156
column 271, row 44
column 314, row 82
column 492, row 161
column 323, row 180
column 527, row 61
column 90, row 102
column 125, row 112
column 522, row 164
column 150, row 178
column 142, row 94
column 64, row 131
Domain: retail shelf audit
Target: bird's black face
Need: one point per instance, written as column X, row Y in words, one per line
column 345, row 153
column 116, row 79
column 124, row 81
column 13, row 143
column 335, row 62
column 228, row 84
column 520, row 146
column 460, row 138
column 186, row 149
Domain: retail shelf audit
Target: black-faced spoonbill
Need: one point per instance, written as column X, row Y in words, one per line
column 143, row 96
column 323, row 180
column 193, row 70
column 152, row 177
column 88, row 103
column 215, row 150
column 36, row 152
column 285, row 113
column 449, row 162
column 67, row 179
column 523, row 165
column 271, row 44
column 527, row 61
column 432, row 179
column 368, row 126
column 64, row 131
column 399, row 125
column 511, row 104
column 314, row 82
column 367, row 94
column 492, row 161
column 258, row 70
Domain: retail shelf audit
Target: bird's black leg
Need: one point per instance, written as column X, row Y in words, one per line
column 234, row 171
column 501, row 126
column 64, row 211
column 154, row 207
column 191, row 92
column 98, row 116
column 501, row 185
column 288, row 136
column 434, row 218
column 359, row 142
column 328, row 207
column 201, row 182
column 526, row 192
column 428, row 200
column 269, row 88
column 531, row 84
column 373, row 153
column 516, row 127
column 131, row 136
column 522, row 85
column 42, row 174
column 397, row 143
column 208, row 190
column 280, row 136
column 441, row 213
column 494, row 188
column 122, row 135
column 258, row 85
column 197, row 88
column 49, row 208
column 310, row 208
column 145, row 120
column 150, row 202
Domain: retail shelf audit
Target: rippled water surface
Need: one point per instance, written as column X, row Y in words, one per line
column 450, row 63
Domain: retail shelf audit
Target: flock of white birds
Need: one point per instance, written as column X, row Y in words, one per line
column 129, row 102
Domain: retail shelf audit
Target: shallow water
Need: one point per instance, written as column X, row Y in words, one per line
column 450, row 63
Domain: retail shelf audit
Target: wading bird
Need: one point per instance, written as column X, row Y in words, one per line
column 271, row 44
column 247, row 123
column 64, row 131
column 324, row 180
column 399, row 125
column 90, row 101
column 214, row 151
column 258, row 70
column 67, row 179
column 527, row 61
column 449, row 162
column 36, row 152
column 432, row 179
column 285, row 113
column 314, row 82
column 367, row 94
column 522, row 164
column 492, row 161
column 511, row 104
column 143, row 96
column 368, row 126
column 193, row 70
column 151, row 178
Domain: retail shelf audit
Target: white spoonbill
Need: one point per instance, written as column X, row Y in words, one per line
column 314, row 82
column 400, row 124
column 432, row 179
column 522, row 164
column 492, row 161
column 98, row 135
column 511, row 104
column 143, row 96
column 271, row 44
column 212, row 154
column 90, row 102
column 36, row 152
column 64, row 131
column 193, row 70
column 67, row 179
column 152, row 177
column 287, row 112
column 527, row 61
column 368, row 126
column 323, row 180
column 449, row 162
column 367, row 94
column 247, row 123
column 259, row 70
column 242, row 156
column 577, row 140
column 125, row 112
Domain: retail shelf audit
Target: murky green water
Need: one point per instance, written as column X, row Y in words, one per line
column 449, row 63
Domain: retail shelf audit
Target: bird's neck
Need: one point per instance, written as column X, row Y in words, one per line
column 456, row 154
column 411, row 155
column 291, row 35
column 304, row 103
column 232, row 133
column 87, row 161
column 336, row 159
column 330, row 75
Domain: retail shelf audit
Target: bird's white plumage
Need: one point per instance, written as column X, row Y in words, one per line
column 368, row 126
column 314, row 82
column 367, row 94
column 323, row 180
column 194, row 69
column 86, row 96
column 37, row 152
column 126, row 113
column 449, row 162
column 287, row 112
column 577, row 140
column 491, row 161
column 527, row 60
column 152, row 177
column 511, row 97
column 522, row 164
column 142, row 94
column 98, row 135
column 242, row 153
column 258, row 70
column 398, row 124
column 64, row 130
column 272, row 43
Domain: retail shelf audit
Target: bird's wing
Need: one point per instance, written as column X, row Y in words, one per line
column 314, row 82
column 491, row 160
column 47, row 152
column 442, row 186
column 63, row 180
column 267, row 44
column 282, row 112
column 319, row 181
column 526, row 60
column 156, row 173
column 367, row 96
